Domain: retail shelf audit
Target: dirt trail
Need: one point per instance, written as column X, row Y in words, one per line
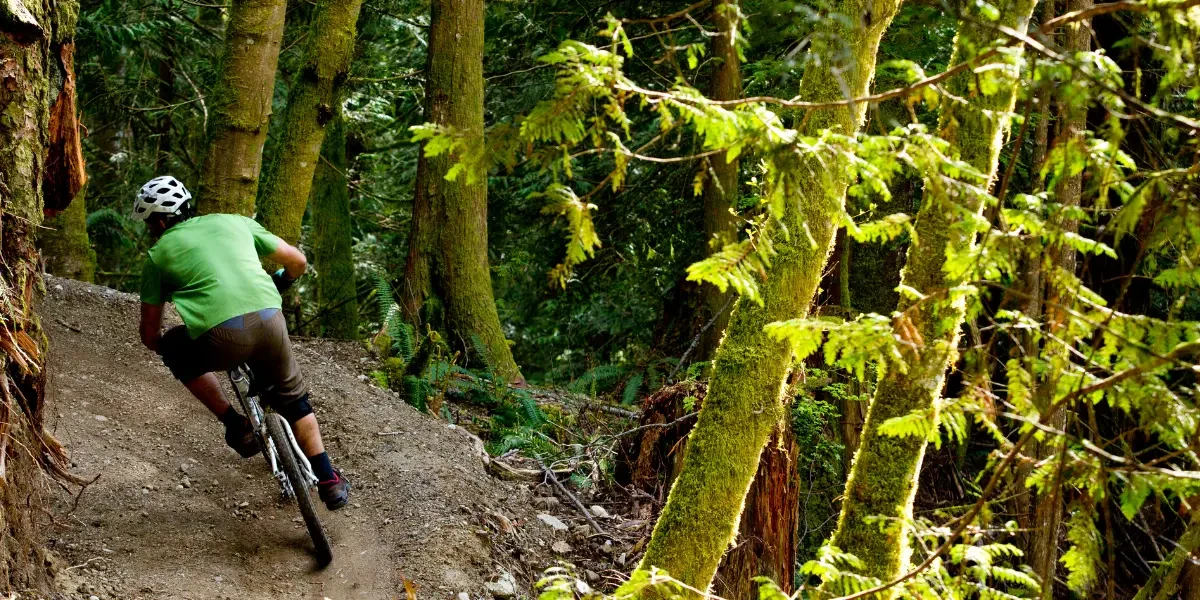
column 176, row 514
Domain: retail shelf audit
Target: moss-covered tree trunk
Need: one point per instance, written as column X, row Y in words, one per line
column 767, row 534
column 36, row 95
column 447, row 252
column 721, row 177
column 240, row 107
column 883, row 480
column 333, row 256
column 65, row 245
column 312, row 102
column 744, row 402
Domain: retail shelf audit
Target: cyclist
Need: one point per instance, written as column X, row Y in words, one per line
column 209, row 267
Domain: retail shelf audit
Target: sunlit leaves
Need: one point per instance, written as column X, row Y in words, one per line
column 1082, row 559
column 581, row 232
column 738, row 265
column 869, row 340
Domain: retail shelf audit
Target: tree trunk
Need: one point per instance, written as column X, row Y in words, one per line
column 744, row 403
column 38, row 139
column 65, row 245
column 1023, row 502
column 1043, row 547
column 766, row 544
column 721, row 179
column 337, row 297
column 240, row 107
column 883, row 479
column 312, row 102
column 1164, row 580
column 447, row 255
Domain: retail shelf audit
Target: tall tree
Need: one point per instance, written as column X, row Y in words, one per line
column 447, row 246
column 240, row 107
column 745, row 397
column 38, row 142
column 312, row 103
column 883, row 479
column 333, row 255
column 65, row 244
column 1061, row 259
column 721, row 175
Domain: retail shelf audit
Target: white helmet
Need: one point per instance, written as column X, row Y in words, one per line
column 163, row 194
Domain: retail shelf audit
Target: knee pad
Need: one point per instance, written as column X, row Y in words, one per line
column 295, row 410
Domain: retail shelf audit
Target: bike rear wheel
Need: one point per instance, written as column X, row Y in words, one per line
column 300, row 487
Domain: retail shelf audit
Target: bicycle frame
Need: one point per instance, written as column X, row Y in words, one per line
column 240, row 377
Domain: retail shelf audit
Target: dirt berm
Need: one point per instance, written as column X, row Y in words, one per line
column 176, row 514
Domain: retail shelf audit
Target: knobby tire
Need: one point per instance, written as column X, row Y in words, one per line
column 300, row 487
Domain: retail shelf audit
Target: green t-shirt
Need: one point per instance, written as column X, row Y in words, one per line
column 209, row 267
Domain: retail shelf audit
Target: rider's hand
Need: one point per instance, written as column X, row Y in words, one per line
column 282, row 281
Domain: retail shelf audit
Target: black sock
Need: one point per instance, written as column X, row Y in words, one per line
column 321, row 466
column 232, row 418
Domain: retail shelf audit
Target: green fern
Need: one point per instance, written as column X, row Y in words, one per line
column 385, row 306
column 481, row 351
column 598, row 379
column 632, row 386
column 403, row 338
column 417, row 392
column 532, row 412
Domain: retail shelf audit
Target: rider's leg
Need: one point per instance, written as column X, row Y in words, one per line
column 207, row 389
column 308, row 435
column 192, row 361
column 289, row 397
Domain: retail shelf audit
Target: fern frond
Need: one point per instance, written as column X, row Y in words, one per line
column 737, row 265
column 597, row 379
column 481, row 351
column 632, row 386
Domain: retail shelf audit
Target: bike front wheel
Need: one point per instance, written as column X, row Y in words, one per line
column 300, row 487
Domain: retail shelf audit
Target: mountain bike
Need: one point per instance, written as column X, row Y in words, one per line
column 287, row 462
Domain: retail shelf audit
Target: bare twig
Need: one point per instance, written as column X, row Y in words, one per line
column 669, row 17
column 564, row 491
column 679, row 421
column 699, row 334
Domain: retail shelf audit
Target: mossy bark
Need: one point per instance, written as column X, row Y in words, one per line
column 745, row 401
column 767, row 533
column 240, row 107
column 312, row 102
column 333, row 255
column 721, row 183
column 1164, row 581
column 883, row 479
column 65, row 245
column 36, row 38
column 447, row 253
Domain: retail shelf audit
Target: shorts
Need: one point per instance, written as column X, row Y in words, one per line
column 262, row 344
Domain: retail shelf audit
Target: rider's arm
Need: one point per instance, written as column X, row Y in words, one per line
column 291, row 258
column 151, row 327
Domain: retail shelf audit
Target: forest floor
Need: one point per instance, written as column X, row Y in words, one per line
column 176, row 514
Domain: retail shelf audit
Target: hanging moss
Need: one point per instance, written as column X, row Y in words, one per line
column 333, row 253
column 240, row 107
column 313, row 100
column 883, row 479
column 744, row 401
